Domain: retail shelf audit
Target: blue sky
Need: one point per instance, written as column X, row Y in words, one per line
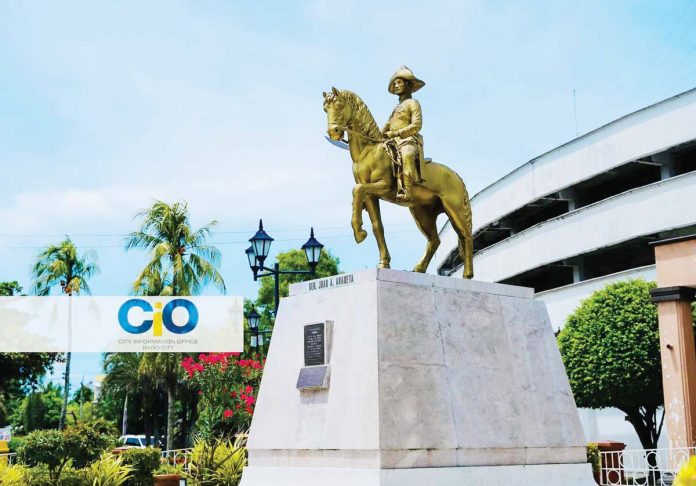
column 105, row 106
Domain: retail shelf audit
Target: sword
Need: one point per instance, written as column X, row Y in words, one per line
column 342, row 144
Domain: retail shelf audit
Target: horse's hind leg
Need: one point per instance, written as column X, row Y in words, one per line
column 426, row 220
column 372, row 206
column 459, row 212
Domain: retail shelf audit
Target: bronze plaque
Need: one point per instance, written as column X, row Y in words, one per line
column 314, row 344
column 313, row 378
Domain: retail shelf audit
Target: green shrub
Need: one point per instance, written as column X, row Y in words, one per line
column 79, row 446
column 45, row 447
column 104, row 427
column 41, row 476
column 74, row 477
column 15, row 475
column 143, row 462
column 85, row 444
column 218, row 463
column 594, row 457
column 15, row 442
column 166, row 468
column 108, row 471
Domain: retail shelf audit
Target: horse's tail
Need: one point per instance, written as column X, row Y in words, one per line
column 458, row 208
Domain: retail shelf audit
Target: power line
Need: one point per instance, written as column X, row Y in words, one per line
column 658, row 54
column 126, row 235
column 212, row 243
column 665, row 59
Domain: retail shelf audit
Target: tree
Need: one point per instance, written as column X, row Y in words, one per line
column 181, row 263
column 122, row 378
column 62, row 265
column 178, row 254
column 18, row 370
column 40, row 409
column 292, row 260
column 10, row 288
column 611, row 351
column 164, row 370
column 83, row 394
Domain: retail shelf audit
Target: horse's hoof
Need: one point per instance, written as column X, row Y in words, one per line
column 419, row 269
column 384, row 265
column 360, row 236
column 469, row 275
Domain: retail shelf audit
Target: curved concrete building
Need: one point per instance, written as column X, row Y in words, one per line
column 581, row 215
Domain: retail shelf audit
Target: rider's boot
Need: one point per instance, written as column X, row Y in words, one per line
column 406, row 194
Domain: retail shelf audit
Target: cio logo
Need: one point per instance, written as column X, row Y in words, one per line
column 160, row 316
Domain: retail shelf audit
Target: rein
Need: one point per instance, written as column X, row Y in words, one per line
column 390, row 149
column 361, row 135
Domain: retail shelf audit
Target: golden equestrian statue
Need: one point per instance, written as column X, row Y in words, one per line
column 389, row 165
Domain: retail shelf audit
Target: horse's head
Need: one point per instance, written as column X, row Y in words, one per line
column 338, row 112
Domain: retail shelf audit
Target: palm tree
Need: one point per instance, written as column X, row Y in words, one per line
column 177, row 252
column 61, row 264
column 122, row 377
column 181, row 263
column 164, row 370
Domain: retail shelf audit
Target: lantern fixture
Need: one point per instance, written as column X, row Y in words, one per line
column 253, row 262
column 261, row 244
column 253, row 318
column 312, row 250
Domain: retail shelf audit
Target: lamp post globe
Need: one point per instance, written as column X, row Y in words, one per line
column 261, row 244
column 253, row 262
column 312, row 250
column 253, row 318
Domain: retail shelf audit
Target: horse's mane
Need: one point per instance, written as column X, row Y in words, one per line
column 362, row 118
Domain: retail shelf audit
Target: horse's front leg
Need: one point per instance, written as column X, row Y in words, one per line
column 356, row 220
column 360, row 192
column 372, row 206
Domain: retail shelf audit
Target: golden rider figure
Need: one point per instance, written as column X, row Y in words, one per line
column 403, row 128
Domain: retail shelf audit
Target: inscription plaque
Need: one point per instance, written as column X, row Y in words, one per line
column 313, row 378
column 314, row 344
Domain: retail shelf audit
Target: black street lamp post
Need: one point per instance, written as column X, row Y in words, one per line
column 253, row 318
column 258, row 252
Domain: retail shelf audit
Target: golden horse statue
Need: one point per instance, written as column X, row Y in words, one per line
column 440, row 191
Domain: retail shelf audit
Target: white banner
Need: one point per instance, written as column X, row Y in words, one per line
column 6, row 434
column 121, row 324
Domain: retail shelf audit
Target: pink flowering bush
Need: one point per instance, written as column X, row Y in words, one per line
column 228, row 387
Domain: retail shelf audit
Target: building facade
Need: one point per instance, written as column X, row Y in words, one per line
column 583, row 214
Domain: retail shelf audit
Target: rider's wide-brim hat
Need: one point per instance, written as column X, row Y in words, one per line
column 405, row 73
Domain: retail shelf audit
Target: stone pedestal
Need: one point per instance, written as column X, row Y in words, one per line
column 433, row 381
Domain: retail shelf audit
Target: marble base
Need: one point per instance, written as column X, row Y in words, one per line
column 431, row 377
column 536, row 475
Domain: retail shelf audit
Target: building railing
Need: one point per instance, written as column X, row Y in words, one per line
column 654, row 467
column 178, row 457
column 9, row 458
